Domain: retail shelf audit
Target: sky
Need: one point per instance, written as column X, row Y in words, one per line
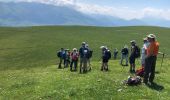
column 125, row 9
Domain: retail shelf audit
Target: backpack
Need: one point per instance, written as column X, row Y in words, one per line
column 109, row 55
column 140, row 72
column 124, row 51
column 133, row 80
column 90, row 54
column 59, row 54
column 137, row 52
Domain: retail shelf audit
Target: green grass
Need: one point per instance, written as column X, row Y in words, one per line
column 28, row 64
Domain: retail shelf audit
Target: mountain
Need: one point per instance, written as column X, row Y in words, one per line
column 12, row 14
column 34, row 13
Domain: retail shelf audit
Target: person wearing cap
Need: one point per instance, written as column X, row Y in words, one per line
column 74, row 59
column 143, row 53
column 124, row 55
column 83, row 52
column 150, row 60
column 106, row 55
column 132, row 56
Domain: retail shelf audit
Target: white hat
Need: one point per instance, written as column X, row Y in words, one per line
column 152, row 36
column 74, row 49
column 101, row 47
column 145, row 39
column 133, row 41
column 83, row 43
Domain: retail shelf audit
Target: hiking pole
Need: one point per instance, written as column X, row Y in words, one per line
column 163, row 55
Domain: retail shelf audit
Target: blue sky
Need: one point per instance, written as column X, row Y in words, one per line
column 126, row 3
column 125, row 9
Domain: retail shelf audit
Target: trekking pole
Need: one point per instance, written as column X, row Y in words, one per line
column 163, row 55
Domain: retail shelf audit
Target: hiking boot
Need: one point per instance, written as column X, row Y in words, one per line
column 133, row 71
column 130, row 71
column 126, row 65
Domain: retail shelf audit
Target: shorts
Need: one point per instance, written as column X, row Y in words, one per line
column 132, row 59
column 105, row 60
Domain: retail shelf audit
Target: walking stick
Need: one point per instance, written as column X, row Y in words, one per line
column 163, row 55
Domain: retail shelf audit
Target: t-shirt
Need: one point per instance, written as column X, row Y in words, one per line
column 153, row 49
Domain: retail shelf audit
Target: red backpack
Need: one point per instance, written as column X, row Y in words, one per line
column 74, row 57
column 140, row 72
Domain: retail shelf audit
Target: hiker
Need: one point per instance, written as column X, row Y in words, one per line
column 60, row 56
column 66, row 57
column 83, row 51
column 89, row 57
column 74, row 59
column 150, row 60
column 135, row 53
column 124, row 55
column 143, row 53
column 106, row 55
column 140, row 71
column 115, row 52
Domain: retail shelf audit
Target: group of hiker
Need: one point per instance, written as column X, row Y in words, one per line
column 71, row 58
column 148, row 56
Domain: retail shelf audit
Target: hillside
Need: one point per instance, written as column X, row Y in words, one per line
column 28, row 64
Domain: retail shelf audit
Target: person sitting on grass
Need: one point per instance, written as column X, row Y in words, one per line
column 74, row 59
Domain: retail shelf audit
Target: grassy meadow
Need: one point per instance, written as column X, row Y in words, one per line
column 28, row 64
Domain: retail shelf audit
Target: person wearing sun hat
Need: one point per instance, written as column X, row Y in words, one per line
column 74, row 59
column 150, row 60
column 132, row 56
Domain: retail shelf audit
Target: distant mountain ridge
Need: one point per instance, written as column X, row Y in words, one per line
column 32, row 13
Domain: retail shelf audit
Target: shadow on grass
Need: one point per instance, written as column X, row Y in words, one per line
column 156, row 87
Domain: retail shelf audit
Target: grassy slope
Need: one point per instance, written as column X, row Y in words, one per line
column 28, row 58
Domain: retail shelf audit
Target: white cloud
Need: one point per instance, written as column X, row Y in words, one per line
column 121, row 12
column 125, row 12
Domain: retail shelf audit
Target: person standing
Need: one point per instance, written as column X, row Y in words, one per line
column 74, row 59
column 115, row 52
column 83, row 51
column 106, row 55
column 90, row 53
column 150, row 60
column 124, row 55
column 60, row 54
column 133, row 56
column 143, row 53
